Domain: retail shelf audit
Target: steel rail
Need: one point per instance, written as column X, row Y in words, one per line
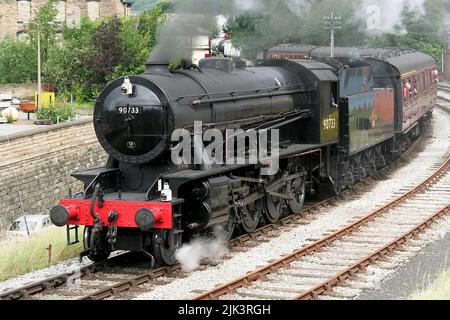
column 444, row 99
column 28, row 290
column 361, row 265
column 443, row 87
column 285, row 261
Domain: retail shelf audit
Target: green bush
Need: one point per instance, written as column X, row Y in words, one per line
column 17, row 61
column 10, row 119
column 63, row 112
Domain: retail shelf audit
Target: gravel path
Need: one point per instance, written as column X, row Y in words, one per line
column 329, row 219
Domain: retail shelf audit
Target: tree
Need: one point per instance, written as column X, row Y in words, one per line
column 43, row 23
column 67, row 63
column 17, row 61
column 86, row 58
column 422, row 31
column 108, row 54
column 138, row 37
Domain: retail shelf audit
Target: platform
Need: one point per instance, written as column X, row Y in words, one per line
column 24, row 126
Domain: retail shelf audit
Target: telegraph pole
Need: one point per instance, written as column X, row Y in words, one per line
column 39, row 97
column 332, row 23
column 39, row 76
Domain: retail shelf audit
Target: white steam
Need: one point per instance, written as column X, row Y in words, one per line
column 192, row 18
column 201, row 250
column 299, row 7
column 247, row 5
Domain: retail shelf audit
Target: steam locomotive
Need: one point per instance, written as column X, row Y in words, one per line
column 338, row 121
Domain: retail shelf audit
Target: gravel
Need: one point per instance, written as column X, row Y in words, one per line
column 66, row 266
column 328, row 219
column 35, row 276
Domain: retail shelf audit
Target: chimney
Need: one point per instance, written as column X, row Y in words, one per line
column 156, row 67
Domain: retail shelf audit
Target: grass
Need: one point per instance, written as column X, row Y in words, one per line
column 439, row 290
column 18, row 257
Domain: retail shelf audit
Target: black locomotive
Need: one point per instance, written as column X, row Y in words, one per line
column 338, row 121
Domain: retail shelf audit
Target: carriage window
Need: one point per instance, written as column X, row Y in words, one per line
column 408, row 89
column 410, row 85
column 415, row 87
column 405, row 91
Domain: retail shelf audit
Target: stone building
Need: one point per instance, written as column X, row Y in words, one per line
column 14, row 14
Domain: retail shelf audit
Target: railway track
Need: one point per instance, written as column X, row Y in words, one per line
column 313, row 271
column 444, row 87
column 100, row 281
column 65, row 284
column 444, row 98
column 56, row 281
column 94, row 276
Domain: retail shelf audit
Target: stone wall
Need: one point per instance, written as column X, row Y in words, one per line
column 21, row 91
column 35, row 167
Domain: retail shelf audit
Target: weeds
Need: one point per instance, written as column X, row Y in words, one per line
column 18, row 257
column 55, row 113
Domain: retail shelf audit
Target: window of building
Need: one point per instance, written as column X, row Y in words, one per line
column 93, row 9
column 23, row 10
column 61, row 11
column 22, row 35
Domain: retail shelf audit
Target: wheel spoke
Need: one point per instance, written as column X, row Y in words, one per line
column 298, row 190
column 274, row 205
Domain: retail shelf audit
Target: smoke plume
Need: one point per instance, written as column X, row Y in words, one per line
column 284, row 21
column 200, row 250
column 188, row 18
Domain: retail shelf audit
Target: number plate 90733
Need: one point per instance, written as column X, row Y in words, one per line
column 130, row 110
